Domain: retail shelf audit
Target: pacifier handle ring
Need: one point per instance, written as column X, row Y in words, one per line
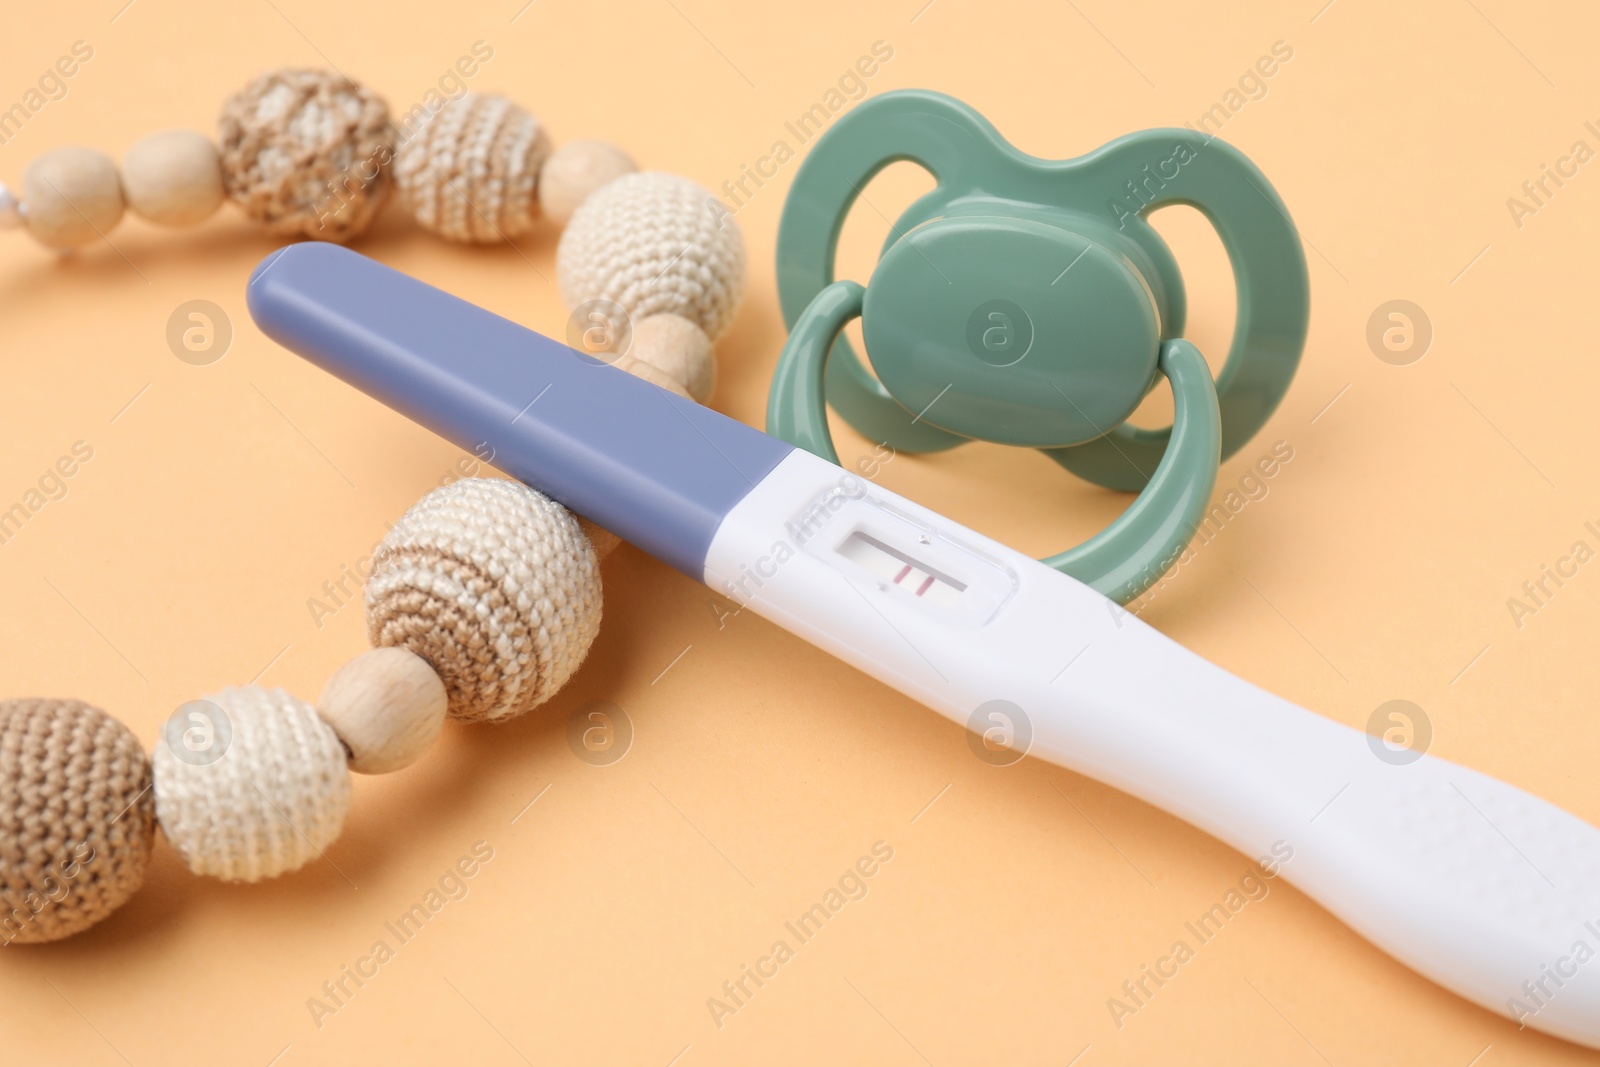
column 796, row 405
column 1121, row 561
column 939, row 134
column 1131, row 554
column 1269, row 272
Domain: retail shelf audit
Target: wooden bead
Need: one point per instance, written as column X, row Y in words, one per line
column 650, row 373
column 679, row 348
column 173, row 178
column 574, row 171
column 72, row 197
column 387, row 706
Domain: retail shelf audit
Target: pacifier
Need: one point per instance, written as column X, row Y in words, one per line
column 1028, row 301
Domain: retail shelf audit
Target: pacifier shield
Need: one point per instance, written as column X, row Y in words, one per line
column 1011, row 330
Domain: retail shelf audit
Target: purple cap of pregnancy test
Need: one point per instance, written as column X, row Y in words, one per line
column 654, row 468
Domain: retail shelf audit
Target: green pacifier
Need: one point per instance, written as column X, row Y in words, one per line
column 1027, row 301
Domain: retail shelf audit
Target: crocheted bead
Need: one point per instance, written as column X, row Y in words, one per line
column 495, row 586
column 72, row 196
column 173, row 178
column 266, row 795
column 76, row 817
column 471, row 172
column 387, row 706
column 654, row 243
column 574, row 171
column 679, row 348
column 307, row 153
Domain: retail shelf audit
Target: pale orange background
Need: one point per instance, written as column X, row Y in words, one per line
column 220, row 501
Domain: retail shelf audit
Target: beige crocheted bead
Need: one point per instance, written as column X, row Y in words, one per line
column 387, row 706
column 270, row 795
column 655, row 243
column 307, row 152
column 676, row 346
column 495, row 586
column 471, row 172
column 73, row 197
column 173, row 178
column 76, row 818
column 575, row 170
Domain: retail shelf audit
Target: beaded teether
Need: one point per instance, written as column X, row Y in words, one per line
column 310, row 153
column 1029, row 302
column 483, row 599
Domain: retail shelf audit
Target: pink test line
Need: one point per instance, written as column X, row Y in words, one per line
column 902, row 575
column 925, row 584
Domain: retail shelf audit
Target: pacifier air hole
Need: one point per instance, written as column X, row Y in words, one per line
column 1212, row 296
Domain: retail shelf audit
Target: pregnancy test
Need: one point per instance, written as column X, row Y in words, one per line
column 1484, row 888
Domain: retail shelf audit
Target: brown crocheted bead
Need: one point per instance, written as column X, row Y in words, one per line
column 77, row 817
column 471, row 172
column 307, row 153
column 494, row 585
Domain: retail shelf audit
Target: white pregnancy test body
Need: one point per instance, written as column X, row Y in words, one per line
column 1482, row 887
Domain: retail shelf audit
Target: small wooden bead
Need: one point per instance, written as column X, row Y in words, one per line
column 72, row 196
column 387, row 706
column 673, row 344
column 574, row 171
column 173, row 178
column 650, row 373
